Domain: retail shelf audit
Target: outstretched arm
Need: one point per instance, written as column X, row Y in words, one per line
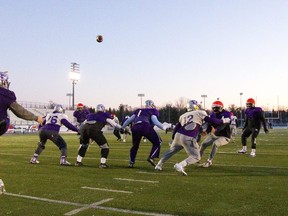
column 157, row 123
column 21, row 112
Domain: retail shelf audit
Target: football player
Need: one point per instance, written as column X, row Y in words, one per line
column 185, row 135
column 8, row 101
column 254, row 117
column 80, row 114
column 127, row 129
column 233, row 126
column 218, row 134
column 143, row 123
column 92, row 129
column 116, row 131
column 50, row 131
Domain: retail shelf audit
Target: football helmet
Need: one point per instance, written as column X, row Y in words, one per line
column 58, row 109
column 217, row 106
column 192, row 105
column 149, row 104
column 250, row 103
column 100, row 108
column 80, row 106
column 4, row 82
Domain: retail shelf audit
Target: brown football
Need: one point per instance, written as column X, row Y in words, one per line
column 99, row 38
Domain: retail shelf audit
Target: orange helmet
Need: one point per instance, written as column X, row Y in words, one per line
column 217, row 106
column 80, row 106
column 250, row 103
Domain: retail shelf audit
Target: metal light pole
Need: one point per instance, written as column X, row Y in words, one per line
column 169, row 108
column 204, row 96
column 69, row 95
column 141, row 95
column 74, row 76
column 241, row 109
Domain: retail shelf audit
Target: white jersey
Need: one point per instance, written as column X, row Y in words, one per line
column 189, row 119
column 55, row 118
column 116, row 120
column 233, row 120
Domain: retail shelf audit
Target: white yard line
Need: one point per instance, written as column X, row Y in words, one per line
column 109, row 190
column 75, row 211
column 86, row 206
column 135, row 180
column 44, row 199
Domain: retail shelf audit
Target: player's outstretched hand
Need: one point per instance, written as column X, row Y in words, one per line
column 266, row 130
column 40, row 120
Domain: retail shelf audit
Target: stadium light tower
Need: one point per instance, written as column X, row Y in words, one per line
column 74, row 76
column 241, row 93
column 204, row 96
column 141, row 95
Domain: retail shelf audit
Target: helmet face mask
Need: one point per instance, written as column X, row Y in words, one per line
column 4, row 82
column 250, row 103
column 192, row 105
column 100, row 108
column 58, row 108
column 217, row 106
column 149, row 104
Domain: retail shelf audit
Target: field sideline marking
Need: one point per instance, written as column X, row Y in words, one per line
column 86, row 206
column 44, row 199
column 109, row 190
column 135, row 180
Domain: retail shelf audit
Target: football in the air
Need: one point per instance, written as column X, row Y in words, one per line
column 99, row 38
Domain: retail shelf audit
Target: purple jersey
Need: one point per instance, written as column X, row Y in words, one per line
column 221, row 129
column 254, row 118
column 81, row 115
column 7, row 97
column 99, row 118
column 144, row 115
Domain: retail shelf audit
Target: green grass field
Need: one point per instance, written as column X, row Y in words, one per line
column 234, row 185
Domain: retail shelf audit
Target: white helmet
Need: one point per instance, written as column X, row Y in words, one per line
column 149, row 104
column 58, row 109
column 4, row 80
column 100, row 108
column 192, row 105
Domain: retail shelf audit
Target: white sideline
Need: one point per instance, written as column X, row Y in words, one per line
column 109, row 190
column 135, row 180
column 86, row 206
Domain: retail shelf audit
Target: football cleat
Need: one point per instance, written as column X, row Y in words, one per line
column 207, row 164
column 252, row 154
column 151, row 161
column 79, row 163
column 34, row 160
column 103, row 165
column 242, row 151
column 180, row 169
column 131, row 165
column 64, row 163
column 158, row 167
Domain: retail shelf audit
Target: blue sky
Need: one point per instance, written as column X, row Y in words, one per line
column 166, row 49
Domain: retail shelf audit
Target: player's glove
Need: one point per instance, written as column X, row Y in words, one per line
column 226, row 120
